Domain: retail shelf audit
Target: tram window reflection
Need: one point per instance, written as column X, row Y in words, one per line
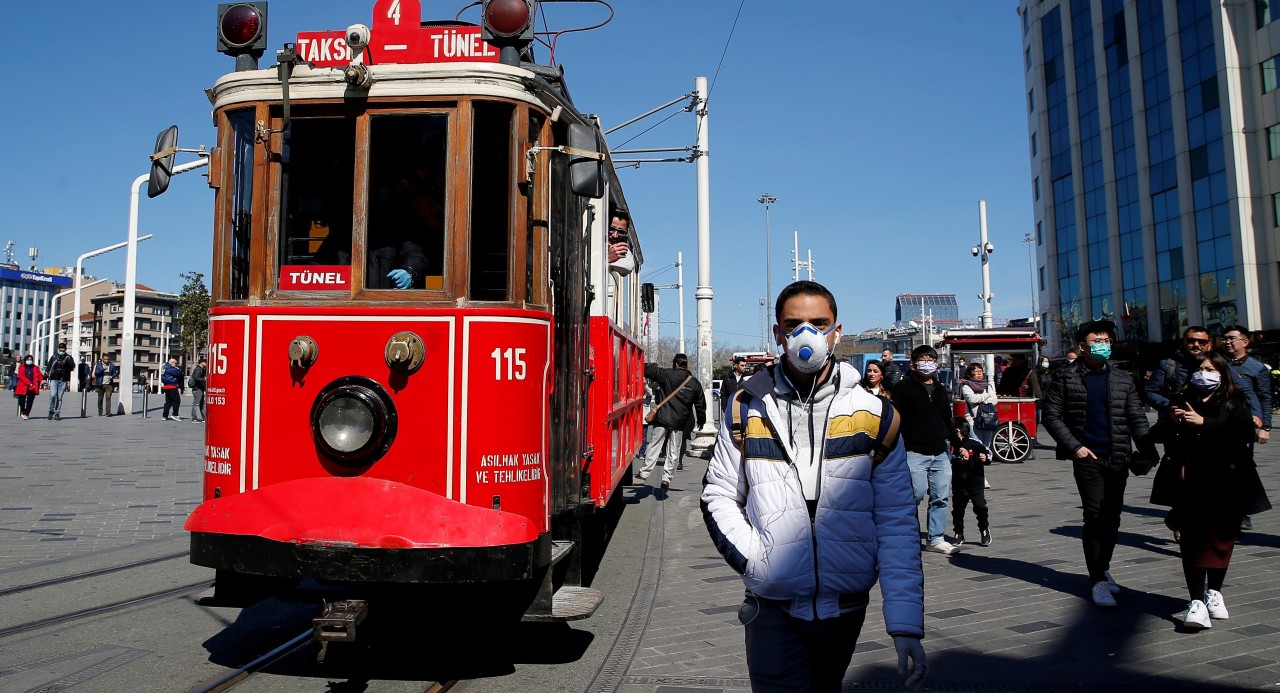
column 242, row 125
column 405, row 232
column 491, row 201
column 317, row 177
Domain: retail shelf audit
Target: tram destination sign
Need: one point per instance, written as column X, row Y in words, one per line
column 398, row 37
column 315, row 277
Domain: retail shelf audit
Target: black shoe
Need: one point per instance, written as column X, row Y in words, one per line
column 99, row 413
column 986, row 538
column 958, row 539
column 57, row 417
column 680, row 467
column 1246, row 523
column 666, row 485
column 51, row 416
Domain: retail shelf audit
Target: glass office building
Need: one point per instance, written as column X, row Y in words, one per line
column 943, row 308
column 1155, row 164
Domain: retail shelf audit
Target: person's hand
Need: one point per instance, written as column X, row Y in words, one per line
column 963, row 453
column 913, row 648
column 1188, row 416
column 982, row 457
column 1263, row 436
column 400, row 278
column 617, row 251
column 1084, row 452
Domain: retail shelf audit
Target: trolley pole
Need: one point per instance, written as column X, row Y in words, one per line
column 704, row 293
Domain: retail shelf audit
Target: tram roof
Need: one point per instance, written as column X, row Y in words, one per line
column 993, row 338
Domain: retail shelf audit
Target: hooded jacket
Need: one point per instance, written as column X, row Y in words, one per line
column 864, row 528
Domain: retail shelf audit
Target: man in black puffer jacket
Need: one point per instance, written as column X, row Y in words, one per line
column 669, row 423
column 1095, row 414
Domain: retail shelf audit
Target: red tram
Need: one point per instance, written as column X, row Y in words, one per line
column 423, row 372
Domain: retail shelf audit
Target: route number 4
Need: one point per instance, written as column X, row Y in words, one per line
column 514, row 359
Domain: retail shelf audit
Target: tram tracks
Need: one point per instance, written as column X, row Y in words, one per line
column 16, row 589
column 105, row 608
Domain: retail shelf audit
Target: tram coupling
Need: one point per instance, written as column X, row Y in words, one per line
column 339, row 621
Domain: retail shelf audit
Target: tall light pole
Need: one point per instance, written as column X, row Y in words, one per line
column 75, row 318
column 766, row 199
column 1031, row 273
column 984, row 249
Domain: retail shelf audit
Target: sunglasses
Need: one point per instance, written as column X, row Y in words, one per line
column 1193, row 340
column 617, row 231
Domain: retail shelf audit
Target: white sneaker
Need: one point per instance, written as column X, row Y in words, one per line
column 1102, row 595
column 1217, row 607
column 941, row 546
column 1111, row 582
column 1197, row 616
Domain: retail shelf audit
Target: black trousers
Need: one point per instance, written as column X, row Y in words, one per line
column 960, row 497
column 790, row 655
column 172, row 401
column 1101, row 485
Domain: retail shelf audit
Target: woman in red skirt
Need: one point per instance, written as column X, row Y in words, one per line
column 1217, row 482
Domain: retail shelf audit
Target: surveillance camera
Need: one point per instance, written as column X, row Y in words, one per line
column 974, row 250
column 357, row 37
column 990, row 248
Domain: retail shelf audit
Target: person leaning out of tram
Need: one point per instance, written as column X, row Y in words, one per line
column 1209, row 478
column 874, row 379
column 29, row 378
column 977, row 391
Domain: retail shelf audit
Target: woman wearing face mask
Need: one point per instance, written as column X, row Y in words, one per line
column 1209, row 451
column 977, row 391
column 29, row 379
column 873, row 379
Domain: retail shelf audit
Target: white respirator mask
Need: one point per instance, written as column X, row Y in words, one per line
column 807, row 348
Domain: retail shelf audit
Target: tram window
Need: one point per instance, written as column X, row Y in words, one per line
column 491, row 201
column 531, row 238
column 241, row 202
column 317, row 175
column 407, row 165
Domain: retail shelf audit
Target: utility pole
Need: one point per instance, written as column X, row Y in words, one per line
column 983, row 250
column 704, row 293
column 1031, row 269
column 766, row 199
column 680, row 286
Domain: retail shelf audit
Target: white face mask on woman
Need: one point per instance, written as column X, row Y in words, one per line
column 1206, row 381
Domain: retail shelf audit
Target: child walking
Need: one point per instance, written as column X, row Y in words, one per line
column 968, row 482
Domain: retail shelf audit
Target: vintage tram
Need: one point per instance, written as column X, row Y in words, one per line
column 423, row 369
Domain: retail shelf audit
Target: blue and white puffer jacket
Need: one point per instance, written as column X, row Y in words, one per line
column 865, row 527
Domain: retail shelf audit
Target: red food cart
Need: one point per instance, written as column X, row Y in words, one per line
column 1014, row 439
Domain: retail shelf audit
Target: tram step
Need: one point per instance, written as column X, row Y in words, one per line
column 570, row 604
column 559, row 550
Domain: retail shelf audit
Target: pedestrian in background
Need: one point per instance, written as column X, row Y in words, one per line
column 928, row 434
column 808, row 497
column 732, row 381
column 977, row 391
column 1094, row 412
column 892, row 374
column 105, row 377
column 61, row 366
column 1251, row 372
column 670, row 416
column 968, row 483
column 29, row 378
column 873, row 379
column 1215, row 479
column 198, row 383
column 171, row 383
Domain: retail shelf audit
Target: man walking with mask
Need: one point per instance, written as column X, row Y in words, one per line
column 1095, row 414
column 808, row 497
column 61, row 366
column 929, row 436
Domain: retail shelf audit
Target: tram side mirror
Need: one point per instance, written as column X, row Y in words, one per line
column 586, row 174
column 162, row 161
column 646, row 297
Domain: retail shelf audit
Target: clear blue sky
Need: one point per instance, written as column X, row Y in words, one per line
column 878, row 126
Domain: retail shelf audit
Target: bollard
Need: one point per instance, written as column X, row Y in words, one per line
column 84, row 402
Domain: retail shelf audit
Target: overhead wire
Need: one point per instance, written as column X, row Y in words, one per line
column 726, row 49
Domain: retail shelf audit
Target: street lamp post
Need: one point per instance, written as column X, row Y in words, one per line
column 983, row 250
column 75, row 318
column 1031, row 273
column 766, row 199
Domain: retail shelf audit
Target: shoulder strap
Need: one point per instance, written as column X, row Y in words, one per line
column 673, row 392
column 887, row 436
column 738, row 420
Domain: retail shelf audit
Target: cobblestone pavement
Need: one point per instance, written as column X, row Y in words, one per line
column 1014, row 616
column 76, row 487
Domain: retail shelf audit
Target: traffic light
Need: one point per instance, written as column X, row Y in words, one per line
column 508, row 24
column 646, row 297
column 242, row 32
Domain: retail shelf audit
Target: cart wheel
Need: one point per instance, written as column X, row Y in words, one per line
column 1011, row 443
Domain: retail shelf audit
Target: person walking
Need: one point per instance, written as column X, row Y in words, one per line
column 669, row 416
column 1215, row 482
column 732, row 381
column 892, row 374
column 808, row 497
column 198, row 383
column 59, row 371
column 105, row 377
column 29, row 378
column 980, row 399
column 171, row 383
column 1094, row 413
column 1253, row 375
column 873, row 380
column 928, row 434
column 969, row 483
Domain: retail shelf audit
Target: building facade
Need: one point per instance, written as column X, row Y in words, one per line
column 943, row 308
column 25, row 296
column 1155, row 164
column 155, row 336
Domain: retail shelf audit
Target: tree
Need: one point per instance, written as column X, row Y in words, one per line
column 193, row 314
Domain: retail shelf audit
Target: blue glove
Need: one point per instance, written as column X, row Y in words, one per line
column 400, row 278
column 908, row 646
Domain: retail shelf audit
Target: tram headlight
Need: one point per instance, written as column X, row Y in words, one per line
column 353, row 421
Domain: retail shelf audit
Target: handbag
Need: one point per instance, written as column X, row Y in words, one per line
column 653, row 413
column 985, row 417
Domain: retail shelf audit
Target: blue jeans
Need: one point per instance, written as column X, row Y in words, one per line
column 786, row 654
column 932, row 473
column 57, row 388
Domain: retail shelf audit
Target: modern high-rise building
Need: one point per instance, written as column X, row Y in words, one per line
column 943, row 308
column 1155, row 158
column 24, row 300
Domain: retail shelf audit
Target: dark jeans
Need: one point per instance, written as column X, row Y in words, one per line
column 1101, row 485
column 789, row 655
column 172, row 401
column 25, row 402
column 960, row 498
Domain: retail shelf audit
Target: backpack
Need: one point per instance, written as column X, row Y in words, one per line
column 1172, row 377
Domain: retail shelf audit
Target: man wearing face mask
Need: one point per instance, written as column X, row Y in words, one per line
column 929, row 435
column 809, row 498
column 59, row 371
column 1095, row 414
column 1172, row 373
